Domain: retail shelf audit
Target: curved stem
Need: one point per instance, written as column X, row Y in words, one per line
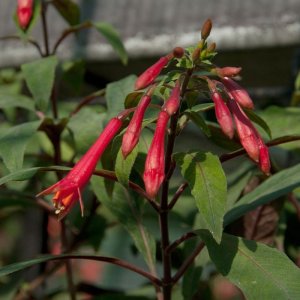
column 45, row 28
column 29, row 40
column 177, row 195
column 112, row 176
column 177, row 242
column 275, row 142
column 68, row 31
column 87, row 100
column 187, row 262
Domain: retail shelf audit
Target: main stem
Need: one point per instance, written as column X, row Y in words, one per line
column 164, row 205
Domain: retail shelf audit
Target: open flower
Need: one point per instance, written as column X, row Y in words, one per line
column 68, row 190
column 24, row 12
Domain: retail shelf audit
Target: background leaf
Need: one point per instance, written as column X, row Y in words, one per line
column 26, row 174
column 10, row 100
column 39, row 77
column 13, row 144
column 278, row 185
column 128, row 209
column 69, row 10
column 260, row 271
column 116, row 93
column 205, row 176
column 112, row 36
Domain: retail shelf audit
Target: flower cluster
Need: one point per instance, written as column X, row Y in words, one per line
column 230, row 116
column 231, row 101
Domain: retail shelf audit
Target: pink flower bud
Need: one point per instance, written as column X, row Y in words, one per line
column 172, row 104
column 68, row 190
column 146, row 78
column 246, row 131
column 223, row 115
column 24, row 12
column 238, row 93
column 228, row 71
column 154, row 172
column 264, row 159
column 133, row 131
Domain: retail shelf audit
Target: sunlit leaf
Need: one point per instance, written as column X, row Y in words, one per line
column 274, row 187
column 260, row 271
column 207, row 181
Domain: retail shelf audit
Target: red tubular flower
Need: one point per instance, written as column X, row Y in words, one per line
column 248, row 135
column 264, row 159
column 223, row 115
column 68, row 190
column 24, row 12
column 146, row 78
column 154, row 172
column 238, row 93
column 172, row 104
column 133, row 131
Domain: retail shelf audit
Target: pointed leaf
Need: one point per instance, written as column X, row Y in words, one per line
column 259, row 121
column 13, row 144
column 202, row 107
column 260, row 271
column 278, row 185
column 69, row 10
column 10, row 100
column 116, row 93
column 114, row 39
column 128, row 209
column 206, row 178
column 199, row 121
column 39, row 77
column 123, row 166
column 26, row 174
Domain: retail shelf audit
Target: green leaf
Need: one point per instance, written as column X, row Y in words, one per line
column 258, row 120
column 10, row 100
column 13, row 144
column 191, row 281
column 39, row 77
column 123, row 166
column 128, row 209
column 260, row 271
column 282, row 120
column 112, row 36
column 274, row 187
column 202, row 107
column 205, row 176
column 26, row 174
column 199, row 121
column 69, row 10
column 86, row 126
column 116, row 93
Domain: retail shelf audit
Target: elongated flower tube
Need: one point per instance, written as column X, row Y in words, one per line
column 172, row 104
column 246, row 131
column 148, row 77
column 133, row 131
column 68, row 190
column 227, row 71
column 264, row 158
column 223, row 115
column 238, row 93
column 154, row 172
column 24, row 12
